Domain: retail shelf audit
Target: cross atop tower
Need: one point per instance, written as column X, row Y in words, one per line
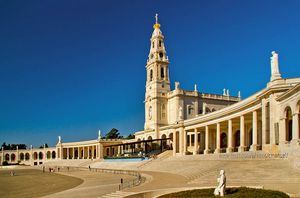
column 156, row 25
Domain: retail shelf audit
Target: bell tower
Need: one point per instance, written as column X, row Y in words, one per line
column 157, row 83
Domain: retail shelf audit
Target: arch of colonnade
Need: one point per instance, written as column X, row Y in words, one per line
column 249, row 131
column 22, row 156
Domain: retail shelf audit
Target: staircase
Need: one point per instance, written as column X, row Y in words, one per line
column 160, row 157
column 118, row 194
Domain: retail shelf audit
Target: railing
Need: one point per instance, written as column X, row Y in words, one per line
column 127, row 184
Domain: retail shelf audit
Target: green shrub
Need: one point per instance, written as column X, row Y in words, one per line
column 4, row 163
column 242, row 192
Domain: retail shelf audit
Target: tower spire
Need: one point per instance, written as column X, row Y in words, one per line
column 156, row 25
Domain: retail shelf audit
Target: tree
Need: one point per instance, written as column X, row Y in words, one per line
column 13, row 146
column 113, row 134
column 42, row 146
column 130, row 136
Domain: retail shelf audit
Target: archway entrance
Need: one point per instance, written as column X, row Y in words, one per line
column 171, row 141
column 164, row 141
column 223, row 140
column 288, row 124
column 237, row 139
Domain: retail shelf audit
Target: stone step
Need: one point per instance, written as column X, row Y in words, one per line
column 118, row 194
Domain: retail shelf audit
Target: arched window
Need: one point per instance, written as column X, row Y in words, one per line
column 289, row 124
column 151, row 75
column 7, row 157
column 159, row 43
column 190, row 110
column 35, row 155
column 53, row 154
column 48, row 154
column 150, row 113
column 41, row 155
column 22, row 156
column 162, row 72
column 27, row 156
column 163, row 108
column 13, row 157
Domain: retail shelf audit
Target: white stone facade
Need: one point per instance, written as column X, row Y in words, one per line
column 201, row 123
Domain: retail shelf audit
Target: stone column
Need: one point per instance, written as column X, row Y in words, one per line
column 45, row 154
column 190, row 140
column 263, row 121
column 31, row 156
column 83, row 153
column 182, row 139
column 61, row 152
column 2, row 157
column 78, row 152
column 17, row 156
column 206, row 151
column 68, row 153
column 73, row 154
column 88, row 149
column 242, row 134
column 195, row 142
column 254, row 131
column 174, row 142
column 218, row 149
column 295, row 128
column 230, row 137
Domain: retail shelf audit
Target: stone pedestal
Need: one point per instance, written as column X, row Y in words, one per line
column 242, row 149
column 229, row 150
column 217, row 150
column 206, row 151
column 253, row 147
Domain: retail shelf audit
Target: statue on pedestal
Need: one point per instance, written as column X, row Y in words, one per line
column 220, row 190
column 180, row 113
column 275, row 74
column 59, row 139
column 99, row 134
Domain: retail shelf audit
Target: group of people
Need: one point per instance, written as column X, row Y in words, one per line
column 12, row 173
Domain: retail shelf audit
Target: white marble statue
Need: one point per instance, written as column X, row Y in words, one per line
column 195, row 88
column 180, row 113
column 177, row 85
column 220, row 190
column 274, row 66
column 59, row 139
column 99, row 134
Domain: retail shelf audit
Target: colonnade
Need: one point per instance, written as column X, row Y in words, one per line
column 79, row 152
column 257, row 128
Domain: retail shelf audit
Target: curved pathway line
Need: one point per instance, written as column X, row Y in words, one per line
column 94, row 184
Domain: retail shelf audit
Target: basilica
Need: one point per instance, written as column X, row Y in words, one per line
column 204, row 123
column 190, row 122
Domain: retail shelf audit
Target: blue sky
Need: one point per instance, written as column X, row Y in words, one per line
column 70, row 68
